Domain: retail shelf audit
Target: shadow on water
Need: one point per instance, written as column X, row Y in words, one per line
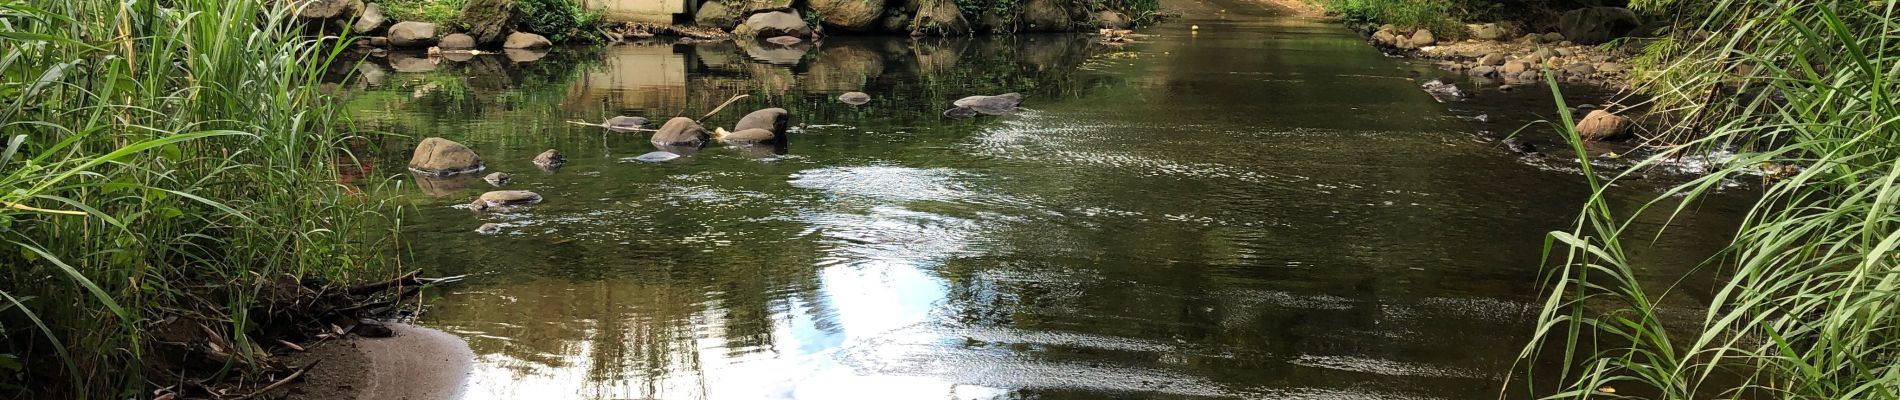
column 1264, row 209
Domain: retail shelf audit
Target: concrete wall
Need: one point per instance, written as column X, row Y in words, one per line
column 657, row 11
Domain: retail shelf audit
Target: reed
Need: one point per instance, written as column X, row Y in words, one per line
column 161, row 158
column 1807, row 304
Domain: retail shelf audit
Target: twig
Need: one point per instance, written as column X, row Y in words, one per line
column 722, row 106
column 405, row 279
column 281, row 382
column 18, row 206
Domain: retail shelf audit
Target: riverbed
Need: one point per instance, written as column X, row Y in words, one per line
column 1265, row 207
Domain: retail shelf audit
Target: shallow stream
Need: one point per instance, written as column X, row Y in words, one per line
column 1267, row 208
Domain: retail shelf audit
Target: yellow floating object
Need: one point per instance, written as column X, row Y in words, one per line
column 1194, row 27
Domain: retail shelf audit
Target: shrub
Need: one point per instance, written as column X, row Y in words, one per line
column 559, row 20
column 440, row 12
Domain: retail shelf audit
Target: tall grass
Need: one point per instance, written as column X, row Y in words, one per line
column 1807, row 303
column 160, row 158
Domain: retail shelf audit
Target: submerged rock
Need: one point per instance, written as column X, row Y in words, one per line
column 773, row 119
column 497, row 179
column 550, row 158
column 489, row 229
column 624, row 123
column 657, row 156
column 504, row 198
column 992, row 105
column 1443, row 90
column 959, row 113
column 680, row 131
column 443, row 157
column 1518, row 145
column 1602, row 125
column 855, row 98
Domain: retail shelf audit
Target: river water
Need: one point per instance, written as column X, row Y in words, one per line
column 1267, row 208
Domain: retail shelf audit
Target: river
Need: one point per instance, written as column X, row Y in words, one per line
column 1263, row 208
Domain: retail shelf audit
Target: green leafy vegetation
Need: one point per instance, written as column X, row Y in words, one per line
column 559, row 20
column 1428, row 14
column 1805, row 304
column 162, row 159
column 439, row 12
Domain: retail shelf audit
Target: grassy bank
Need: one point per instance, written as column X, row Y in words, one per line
column 161, row 162
column 1807, row 303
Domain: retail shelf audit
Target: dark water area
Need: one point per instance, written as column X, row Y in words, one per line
column 1267, row 208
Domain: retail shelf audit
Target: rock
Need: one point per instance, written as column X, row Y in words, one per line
column 774, row 120
column 848, row 15
column 1527, row 76
column 1442, row 90
column 456, row 41
column 716, row 14
column 1483, row 71
column 524, row 55
column 998, row 104
column 1489, row 32
column 379, row 41
column 625, row 123
column 1610, row 68
column 959, row 113
column 372, row 74
column 1602, row 125
column 324, row 9
column 1493, row 59
column 657, row 156
column 680, row 131
column 771, row 24
column 1553, row 37
column 1517, row 67
column 372, row 329
column 550, row 158
column 497, row 179
column 1531, row 38
column 1045, row 16
column 412, row 34
column 1113, row 20
column 1384, row 37
column 942, row 18
column 489, row 229
column 855, row 98
column 524, row 40
column 746, row 136
column 443, row 157
column 509, row 198
column 1518, row 145
column 370, row 20
column 1422, row 38
column 488, row 21
column 784, row 40
column 1403, row 42
column 1580, row 70
column 1595, row 25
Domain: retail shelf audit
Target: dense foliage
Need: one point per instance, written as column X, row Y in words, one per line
column 559, row 20
column 160, row 158
column 439, row 12
column 1807, row 299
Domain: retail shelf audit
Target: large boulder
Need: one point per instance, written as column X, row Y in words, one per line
column 939, row 17
column 1423, row 38
column 848, row 15
column 370, row 20
column 524, row 40
column 1490, row 31
column 443, row 157
column 456, row 41
column 1045, row 16
column 1113, row 20
column 773, row 24
column 680, row 131
column 412, row 34
column 716, row 14
column 998, row 104
column 1596, row 24
column 1602, row 125
column 488, row 21
column 771, row 119
column 324, row 9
